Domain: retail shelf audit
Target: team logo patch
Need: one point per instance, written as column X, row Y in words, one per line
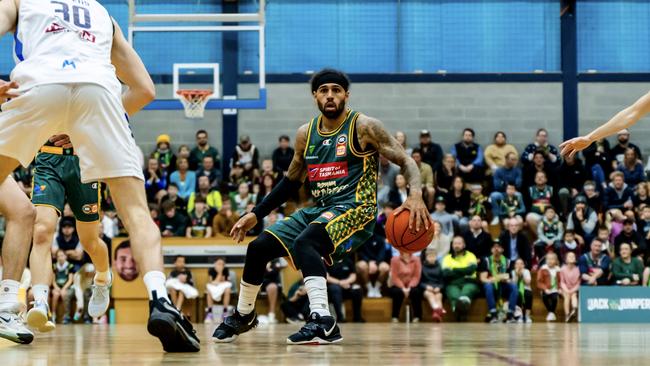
column 341, row 145
column 39, row 189
column 327, row 215
column 89, row 209
column 94, row 185
column 342, row 139
column 311, row 149
column 327, row 142
column 329, row 171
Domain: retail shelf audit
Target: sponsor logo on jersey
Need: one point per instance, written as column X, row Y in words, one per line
column 311, row 157
column 342, row 139
column 311, row 148
column 94, row 185
column 329, row 171
column 39, row 189
column 327, row 142
column 327, row 215
column 89, row 209
column 341, row 143
column 70, row 63
column 55, row 28
column 87, row 36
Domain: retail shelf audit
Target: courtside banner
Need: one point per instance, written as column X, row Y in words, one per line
column 614, row 304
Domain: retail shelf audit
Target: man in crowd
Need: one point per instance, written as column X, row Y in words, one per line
column 282, row 155
column 201, row 150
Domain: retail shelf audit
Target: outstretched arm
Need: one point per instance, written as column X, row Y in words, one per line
column 281, row 193
column 372, row 133
column 132, row 72
column 623, row 119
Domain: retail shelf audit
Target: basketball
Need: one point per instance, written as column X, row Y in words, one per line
column 403, row 239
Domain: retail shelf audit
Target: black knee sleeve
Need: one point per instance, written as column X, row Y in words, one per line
column 310, row 246
column 259, row 252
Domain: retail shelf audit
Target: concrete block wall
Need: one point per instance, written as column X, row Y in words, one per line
column 445, row 109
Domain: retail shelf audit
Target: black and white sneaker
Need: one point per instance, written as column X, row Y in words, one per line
column 174, row 331
column 13, row 329
column 318, row 330
column 233, row 326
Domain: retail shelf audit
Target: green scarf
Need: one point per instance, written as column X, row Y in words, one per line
column 522, row 289
column 496, row 270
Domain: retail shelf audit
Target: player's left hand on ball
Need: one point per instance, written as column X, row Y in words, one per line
column 8, row 89
column 61, row 141
column 419, row 215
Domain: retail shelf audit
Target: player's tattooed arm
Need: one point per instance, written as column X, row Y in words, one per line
column 373, row 134
column 297, row 169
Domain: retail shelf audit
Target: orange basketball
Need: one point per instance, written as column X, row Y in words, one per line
column 403, row 239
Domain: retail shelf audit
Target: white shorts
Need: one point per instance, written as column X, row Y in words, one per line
column 93, row 118
column 216, row 291
column 188, row 290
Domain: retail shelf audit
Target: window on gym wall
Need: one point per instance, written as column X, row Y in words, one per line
column 613, row 36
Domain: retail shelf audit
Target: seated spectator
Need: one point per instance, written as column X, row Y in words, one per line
column 446, row 173
column 459, row 271
column 223, row 222
column 247, row 155
column 267, row 169
column 172, row 195
column 477, row 240
column 372, row 268
column 540, row 164
column 155, row 180
column 469, row 158
column 603, row 236
column 400, row 136
column 549, row 234
column 282, row 155
column 431, row 152
column 541, row 144
column 218, row 290
column 406, row 271
column 458, row 200
column 445, row 219
column 201, row 150
column 426, row 178
column 509, row 174
column 180, row 283
column 479, row 204
column 183, row 152
column 271, row 219
column 341, row 285
column 512, row 207
column 164, row 154
column 641, row 197
column 626, row 269
column 582, row 220
column 172, row 223
column 199, row 222
column 632, row 169
column 209, row 170
column 593, row 196
column 212, row 198
column 617, row 152
column 570, row 285
column 569, row 244
column 522, row 279
column 68, row 241
column 62, row 285
column 497, row 153
column 574, row 175
column 631, row 237
column 539, row 196
column 432, row 283
column 618, row 195
column 267, row 184
column 399, row 194
column 272, row 286
column 598, row 161
column 237, row 177
column 296, row 308
column 646, row 275
column 242, row 199
column 548, row 282
column 643, row 225
column 494, row 276
column 441, row 243
column 515, row 244
column 184, row 179
column 387, row 173
column 594, row 265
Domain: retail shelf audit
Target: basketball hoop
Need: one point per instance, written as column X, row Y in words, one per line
column 194, row 101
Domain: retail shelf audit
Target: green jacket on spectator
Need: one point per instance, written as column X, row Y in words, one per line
column 459, row 268
column 622, row 270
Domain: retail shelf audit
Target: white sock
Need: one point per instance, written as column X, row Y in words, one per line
column 247, row 297
column 317, row 292
column 155, row 281
column 9, row 296
column 103, row 278
column 41, row 292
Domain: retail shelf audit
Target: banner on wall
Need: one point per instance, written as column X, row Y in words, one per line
column 614, row 304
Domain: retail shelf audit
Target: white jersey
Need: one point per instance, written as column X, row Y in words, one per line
column 64, row 41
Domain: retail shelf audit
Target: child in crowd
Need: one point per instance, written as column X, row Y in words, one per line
column 180, row 283
column 431, row 283
column 550, row 231
column 548, row 282
column 570, row 285
column 199, row 220
column 218, row 289
column 62, row 285
column 522, row 279
column 569, row 244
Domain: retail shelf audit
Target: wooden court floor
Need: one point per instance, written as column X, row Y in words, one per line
column 376, row 344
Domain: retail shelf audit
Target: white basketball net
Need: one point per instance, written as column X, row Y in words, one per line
column 194, row 102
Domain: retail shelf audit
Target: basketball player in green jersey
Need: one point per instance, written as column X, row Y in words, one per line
column 338, row 153
column 57, row 179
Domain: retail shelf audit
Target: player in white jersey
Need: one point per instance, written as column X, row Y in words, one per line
column 70, row 54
